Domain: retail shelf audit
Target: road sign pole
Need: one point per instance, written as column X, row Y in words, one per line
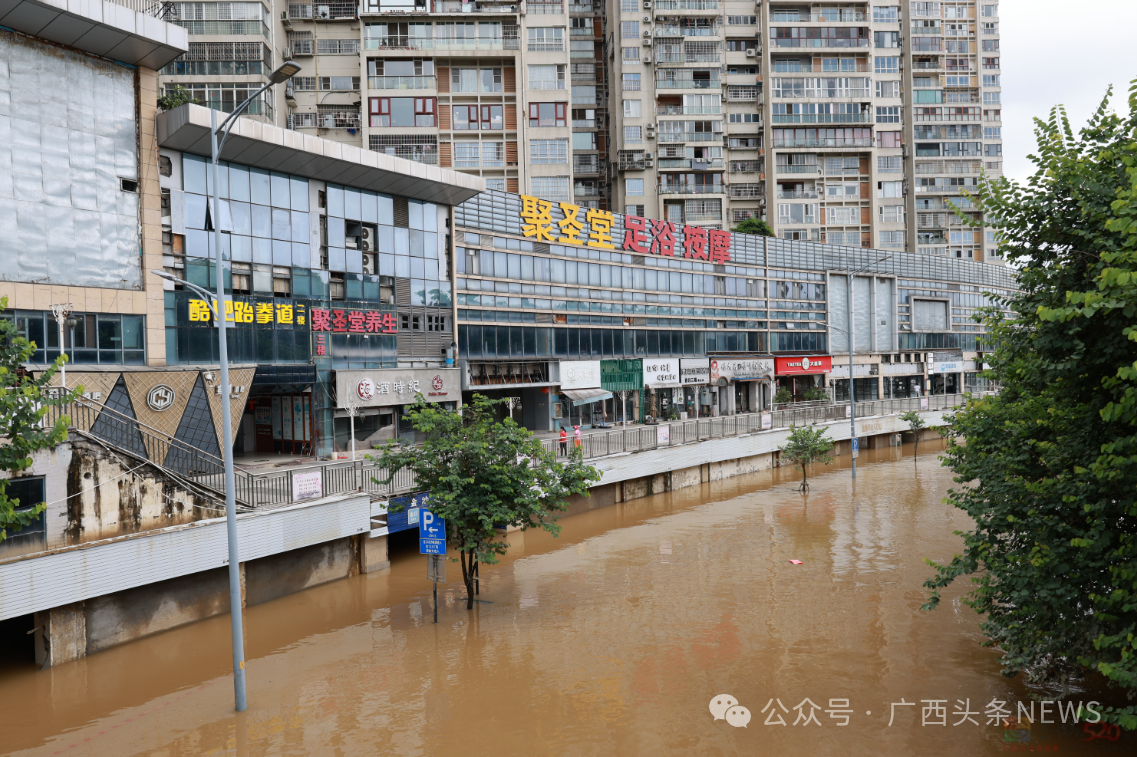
column 436, row 599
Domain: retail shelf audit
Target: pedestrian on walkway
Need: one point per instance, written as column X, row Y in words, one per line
column 576, row 436
column 564, row 440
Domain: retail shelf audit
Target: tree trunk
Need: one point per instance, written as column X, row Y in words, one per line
column 468, row 578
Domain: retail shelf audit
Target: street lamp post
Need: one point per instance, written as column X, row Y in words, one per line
column 218, row 134
column 62, row 314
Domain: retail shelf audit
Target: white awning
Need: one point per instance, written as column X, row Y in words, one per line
column 585, row 396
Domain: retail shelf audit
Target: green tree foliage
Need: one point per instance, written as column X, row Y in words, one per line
column 783, row 395
column 1049, row 465
column 754, row 226
column 915, row 424
column 806, row 446
column 483, row 475
column 24, row 401
column 175, row 96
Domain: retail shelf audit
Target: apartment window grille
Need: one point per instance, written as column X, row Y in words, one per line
column 546, row 39
column 547, row 76
column 741, row 20
column 548, row 151
column 553, row 188
column 888, row 115
column 629, row 29
column 634, row 187
column 891, row 213
column 633, row 135
column 631, row 82
column 889, row 164
column 421, row 148
column 891, row 239
column 337, row 46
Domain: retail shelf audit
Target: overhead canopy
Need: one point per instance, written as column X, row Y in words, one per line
column 260, row 145
column 585, row 396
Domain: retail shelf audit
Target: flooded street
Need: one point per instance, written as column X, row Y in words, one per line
column 611, row 639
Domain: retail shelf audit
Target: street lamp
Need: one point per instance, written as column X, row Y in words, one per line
column 62, row 314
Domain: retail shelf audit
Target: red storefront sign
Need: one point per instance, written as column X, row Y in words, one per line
column 353, row 321
column 785, row 366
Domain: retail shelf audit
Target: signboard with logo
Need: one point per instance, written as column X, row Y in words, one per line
column 694, row 371
column 787, row 366
column 741, row 369
column 385, row 388
column 660, row 373
column 953, row 366
column 580, row 374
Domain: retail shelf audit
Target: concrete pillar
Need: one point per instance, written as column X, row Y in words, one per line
column 60, row 634
column 373, row 557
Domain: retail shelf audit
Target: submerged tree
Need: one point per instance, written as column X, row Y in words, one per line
column 24, row 401
column 805, row 447
column 1049, row 465
column 483, row 475
column 916, row 424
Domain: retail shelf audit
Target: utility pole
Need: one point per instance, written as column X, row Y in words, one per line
column 852, row 394
column 61, row 313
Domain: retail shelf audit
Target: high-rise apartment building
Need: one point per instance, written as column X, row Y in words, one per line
column 858, row 123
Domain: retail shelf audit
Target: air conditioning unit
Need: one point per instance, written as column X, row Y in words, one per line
column 290, row 91
column 647, row 42
column 647, row 60
column 368, row 239
column 647, row 33
column 284, row 20
column 351, row 243
column 369, row 266
column 649, row 131
column 751, row 53
column 647, row 5
column 647, row 19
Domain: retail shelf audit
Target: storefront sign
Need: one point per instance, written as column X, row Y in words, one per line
column 954, row 366
column 694, row 371
column 385, row 388
column 564, row 223
column 307, row 485
column 741, row 369
column 285, row 314
column 784, row 366
column 660, row 373
column 767, row 421
column 580, row 374
column 663, row 435
column 354, row 321
column 160, row 397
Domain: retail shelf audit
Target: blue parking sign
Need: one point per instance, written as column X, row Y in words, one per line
column 431, row 534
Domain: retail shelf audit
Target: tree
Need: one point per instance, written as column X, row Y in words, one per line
column 805, row 447
column 754, row 226
column 783, row 395
column 175, row 96
column 483, row 475
column 1048, row 467
column 24, row 401
column 916, row 424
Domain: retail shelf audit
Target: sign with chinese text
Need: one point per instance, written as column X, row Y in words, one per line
column 580, row 374
column 954, row 366
column 663, row 435
column 336, row 321
column 784, row 366
column 307, row 485
column 431, row 534
column 767, row 421
column 741, row 369
column 590, row 227
column 385, row 388
column 694, row 371
column 661, row 373
column 284, row 314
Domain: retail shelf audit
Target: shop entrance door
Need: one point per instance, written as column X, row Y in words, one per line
column 290, row 423
column 262, row 420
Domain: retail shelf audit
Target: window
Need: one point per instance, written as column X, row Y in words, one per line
column 548, row 151
column 992, row 132
column 889, row 65
column 631, row 55
column 629, row 6
column 345, row 83
column 633, row 109
column 889, row 189
column 546, row 76
column 470, row 80
column 888, row 115
column 631, row 82
column 745, row 118
column 888, row 89
column 991, row 98
column 797, row 213
column 839, row 190
column 740, row 45
column 991, row 80
column 554, row 188
column 889, row 164
column 745, row 143
column 961, row 237
column 741, row 20
column 495, row 184
column 335, row 46
column 844, row 215
column 546, row 39
column 886, row 39
column 630, row 29
column 990, row 27
column 992, row 115
column 402, row 111
column 886, row 14
column 584, row 140
column 634, row 210
column 547, row 114
column 633, row 135
column 493, row 154
column 634, row 187
column 993, row 151
column 990, row 45
column 477, row 117
column 892, row 239
column 990, row 11
column 891, row 213
column 466, row 154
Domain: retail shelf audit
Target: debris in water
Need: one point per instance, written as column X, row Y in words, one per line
column 795, row 562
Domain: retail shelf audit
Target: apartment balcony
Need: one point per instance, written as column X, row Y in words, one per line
column 822, row 94
column 453, row 6
column 686, row 5
column 586, row 190
column 681, row 58
column 786, row 67
column 813, row 142
column 418, row 155
column 746, row 191
column 825, row 118
column 797, row 194
column 701, row 84
column 808, row 169
column 692, row 189
column 833, row 16
column 950, row 167
column 324, row 11
column 688, row 110
column 690, row 136
column 798, row 42
column 737, row 93
column 690, row 164
column 586, row 164
column 633, row 161
column 547, row 9
column 401, row 82
column 336, row 120
column 430, row 43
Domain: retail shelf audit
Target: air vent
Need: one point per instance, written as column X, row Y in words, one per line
column 541, row 247
column 128, row 185
column 402, row 214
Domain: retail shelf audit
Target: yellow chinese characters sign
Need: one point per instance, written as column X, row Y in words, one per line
column 584, row 227
column 249, row 312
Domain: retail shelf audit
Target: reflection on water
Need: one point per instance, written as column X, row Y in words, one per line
column 611, row 639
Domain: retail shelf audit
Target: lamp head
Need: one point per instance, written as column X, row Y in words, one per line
column 284, row 72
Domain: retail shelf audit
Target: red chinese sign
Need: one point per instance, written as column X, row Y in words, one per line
column 353, row 321
column 784, row 366
column 643, row 236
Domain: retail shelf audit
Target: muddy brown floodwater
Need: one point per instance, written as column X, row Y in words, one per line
column 611, row 639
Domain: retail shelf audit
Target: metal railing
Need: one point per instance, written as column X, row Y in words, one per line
column 155, row 8
column 400, row 82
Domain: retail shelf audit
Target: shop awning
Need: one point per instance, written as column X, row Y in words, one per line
column 585, row 396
